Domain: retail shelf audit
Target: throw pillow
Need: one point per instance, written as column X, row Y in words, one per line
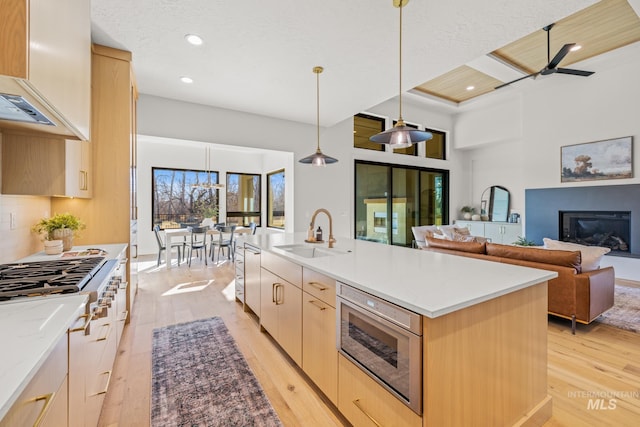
column 591, row 255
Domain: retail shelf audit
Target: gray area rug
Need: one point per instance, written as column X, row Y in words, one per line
column 200, row 378
column 625, row 313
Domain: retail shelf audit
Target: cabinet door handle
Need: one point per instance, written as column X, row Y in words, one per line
column 108, row 325
column 373, row 420
column 280, row 298
column 318, row 286
column 84, row 182
column 48, row 398
column 106, row 387
column 317, row 304
column 87, row 321
column 273, row 293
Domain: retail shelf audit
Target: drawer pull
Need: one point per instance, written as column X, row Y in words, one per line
column 317, row 304
column 124, row 316
column 48, row 398
column 318, row 286
column 373, row 420
column 106, row 387
column 108, row 325
column 84, row 327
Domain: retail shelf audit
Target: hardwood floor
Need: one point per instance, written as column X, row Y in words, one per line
column 593, row 376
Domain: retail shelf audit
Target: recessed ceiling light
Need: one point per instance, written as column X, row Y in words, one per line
column 576, row 47
column 185, row 79
column 471, row 87
column 193, row 39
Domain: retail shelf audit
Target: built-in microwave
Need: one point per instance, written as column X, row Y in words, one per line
column 384, row 340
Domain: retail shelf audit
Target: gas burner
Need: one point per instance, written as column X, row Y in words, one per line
column 47, row 277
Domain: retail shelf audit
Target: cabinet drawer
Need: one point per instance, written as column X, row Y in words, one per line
column 44, row 394
column 289, row 271
column 361, row 400
column 319, row 285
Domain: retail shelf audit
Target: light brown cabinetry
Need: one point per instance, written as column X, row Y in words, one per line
column 281, row 303
column 108, row 214
column 44, row 401
column 45, row 166
column 45, row 56
column 365, row 403
column 319, row 353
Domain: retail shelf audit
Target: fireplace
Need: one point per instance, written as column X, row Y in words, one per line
column 610, row 229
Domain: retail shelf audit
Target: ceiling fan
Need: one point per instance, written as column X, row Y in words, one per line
column 552, row 66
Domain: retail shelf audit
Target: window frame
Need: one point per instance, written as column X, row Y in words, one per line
column 374, row 146
column 244, row 214
column 270, row 212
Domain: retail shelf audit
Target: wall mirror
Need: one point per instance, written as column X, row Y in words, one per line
column 495, row 204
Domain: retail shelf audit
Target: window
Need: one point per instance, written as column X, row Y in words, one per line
column 390, row 199
column 436, row 146
column 275, row 199
column 364, row 127
column 183, row 197
column 243, row 198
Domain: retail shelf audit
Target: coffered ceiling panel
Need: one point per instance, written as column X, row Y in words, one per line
column 600, row 28
column 460, row 84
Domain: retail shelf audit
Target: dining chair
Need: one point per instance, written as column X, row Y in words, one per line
column 225, row 240
column 162, row 246
column 198, row 241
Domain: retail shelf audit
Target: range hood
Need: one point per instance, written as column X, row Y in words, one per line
column 16, row 108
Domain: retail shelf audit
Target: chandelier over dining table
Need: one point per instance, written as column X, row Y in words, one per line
column 207, row 166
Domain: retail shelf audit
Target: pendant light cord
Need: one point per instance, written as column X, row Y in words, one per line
column 400, row 61
column 318, row 107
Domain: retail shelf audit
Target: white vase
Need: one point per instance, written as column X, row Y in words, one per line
column 466, row 215
column 475, row 217
column 53, row 247
column 66, row 235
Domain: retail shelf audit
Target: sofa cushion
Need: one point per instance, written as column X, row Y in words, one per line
column 544, row 256
column 472, row 247
column 591, row 255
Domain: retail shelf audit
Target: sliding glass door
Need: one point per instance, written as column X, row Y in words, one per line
column 390, row 199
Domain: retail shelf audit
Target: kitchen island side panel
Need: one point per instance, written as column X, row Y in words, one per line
column 487, row 364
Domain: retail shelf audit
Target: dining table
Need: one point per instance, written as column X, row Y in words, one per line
column 172, row 234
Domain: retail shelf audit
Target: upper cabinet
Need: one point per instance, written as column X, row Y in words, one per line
column 45, row 65
column 46, row 166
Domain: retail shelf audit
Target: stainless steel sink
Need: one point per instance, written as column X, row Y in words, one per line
column 308, row 251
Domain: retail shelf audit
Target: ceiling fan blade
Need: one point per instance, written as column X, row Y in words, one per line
column 517, row 80
column 574, row 72
column 560, row 55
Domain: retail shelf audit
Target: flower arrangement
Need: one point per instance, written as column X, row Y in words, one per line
column 468, row 209
column 46, row 226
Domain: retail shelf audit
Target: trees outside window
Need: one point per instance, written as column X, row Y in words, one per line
column 182, row 197
column 275, row 199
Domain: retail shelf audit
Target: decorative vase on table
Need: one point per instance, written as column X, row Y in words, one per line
column 64, row 234
column 466, row 215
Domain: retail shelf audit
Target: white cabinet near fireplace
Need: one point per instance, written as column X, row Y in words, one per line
column 498, row 232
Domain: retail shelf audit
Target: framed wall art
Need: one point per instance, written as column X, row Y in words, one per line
column 609, row 159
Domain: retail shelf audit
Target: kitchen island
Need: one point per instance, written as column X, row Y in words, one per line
column 484, row 351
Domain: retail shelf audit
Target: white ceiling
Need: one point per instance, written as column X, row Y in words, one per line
column 258, row 55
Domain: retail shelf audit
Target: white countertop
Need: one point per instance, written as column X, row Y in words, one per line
column 113, row 251
column 29, row 330
column 428, row 283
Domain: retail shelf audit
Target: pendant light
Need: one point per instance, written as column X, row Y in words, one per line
column 401, row 135
column 317, row 158
column 207, row 166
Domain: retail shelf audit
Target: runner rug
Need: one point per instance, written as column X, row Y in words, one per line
column 200, row 378
column 625, row 313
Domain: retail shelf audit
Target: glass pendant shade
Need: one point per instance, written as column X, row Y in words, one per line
column 317, row 158
column 401, row 136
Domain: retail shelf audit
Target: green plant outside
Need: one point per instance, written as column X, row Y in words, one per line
column 46, row 226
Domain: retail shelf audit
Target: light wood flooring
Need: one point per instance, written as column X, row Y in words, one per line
column 599, row 362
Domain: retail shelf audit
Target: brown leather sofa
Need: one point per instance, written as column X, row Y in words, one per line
column 576, row 295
